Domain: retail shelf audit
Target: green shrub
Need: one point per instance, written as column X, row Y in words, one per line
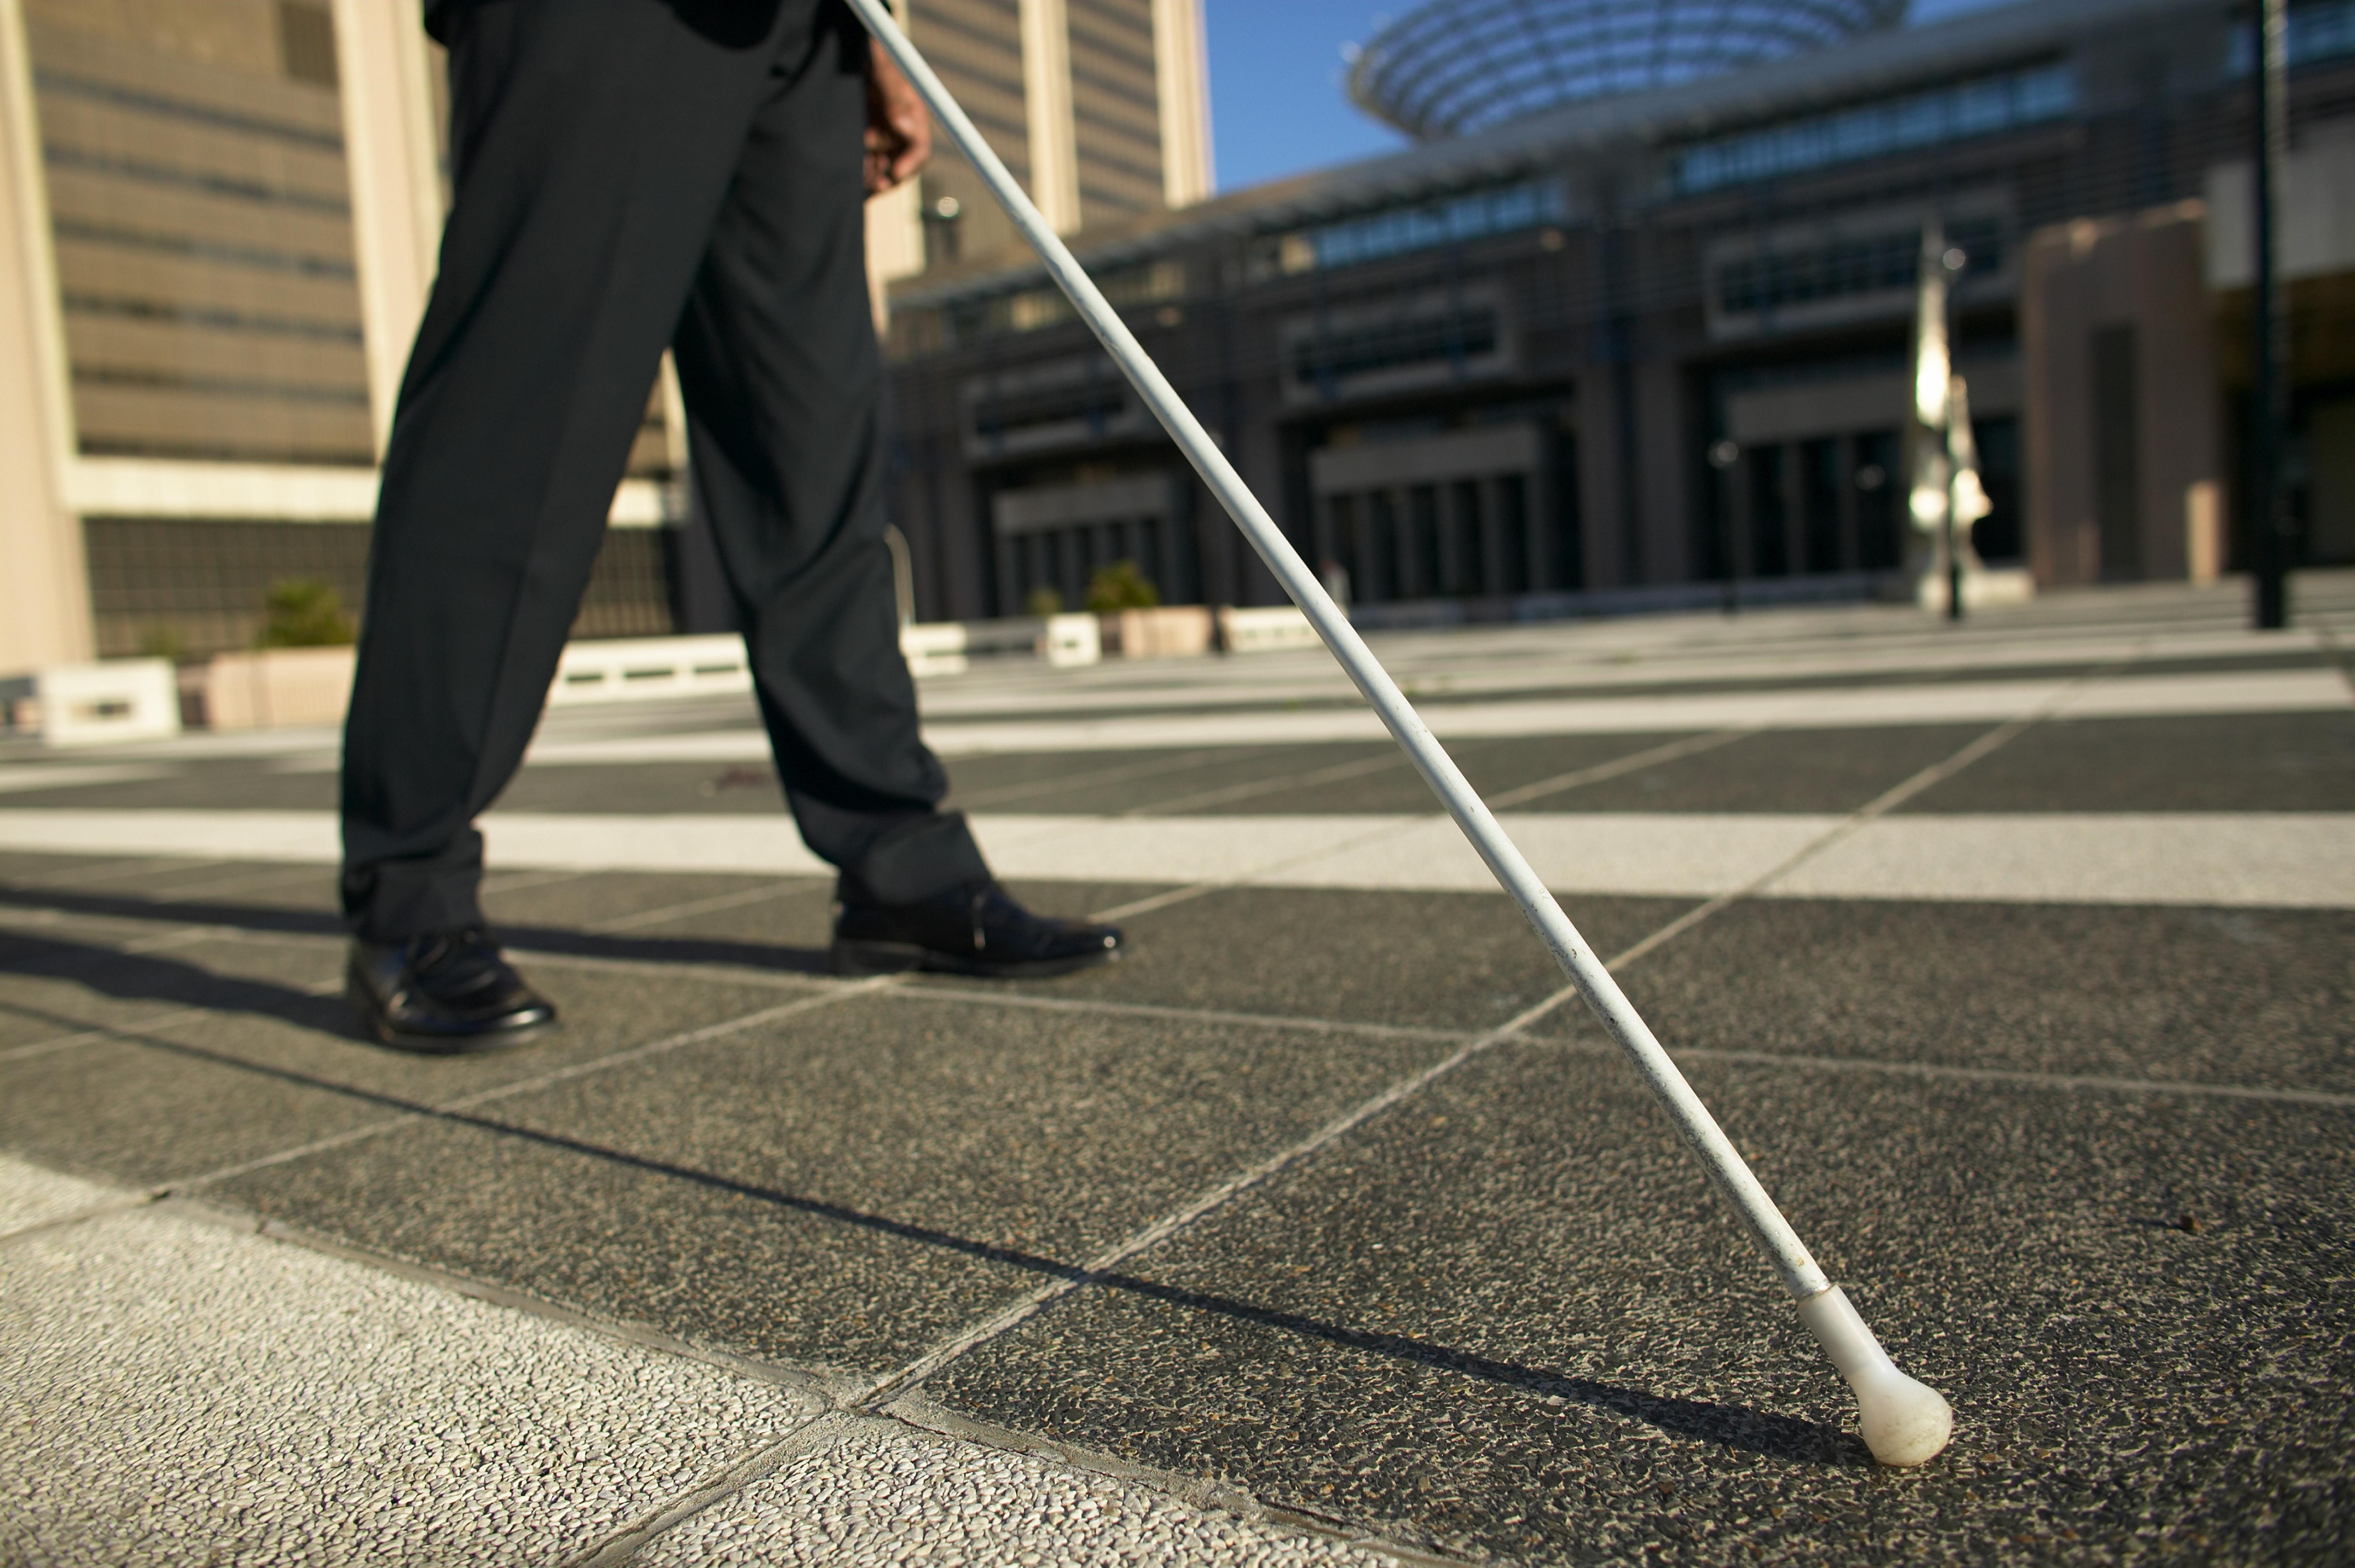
column 1120, row 586
column 303, row 612
column 163, row 642
column 1042, row 602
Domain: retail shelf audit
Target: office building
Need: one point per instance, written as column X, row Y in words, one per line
column 218, row 226
column 1488, row 376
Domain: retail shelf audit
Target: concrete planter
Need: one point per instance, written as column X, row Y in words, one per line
column 1264, row 629
column 1170, row 632
column 112, row 699
column 274, row 686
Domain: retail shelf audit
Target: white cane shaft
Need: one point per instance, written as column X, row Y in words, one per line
column 1725, row 1164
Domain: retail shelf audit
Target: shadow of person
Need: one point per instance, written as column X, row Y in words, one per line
column 160, row 979
column 524, row 940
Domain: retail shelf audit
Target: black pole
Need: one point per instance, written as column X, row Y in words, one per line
column 1722, row 457
column 1953, row 531
column 2269, row 334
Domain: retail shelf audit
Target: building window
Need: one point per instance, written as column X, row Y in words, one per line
column 2316, row 33
column 1404, row 229
column 1027, row 310
column 202, row 212
column 1849, row 135
column 1459, row 336
column 1877, row 265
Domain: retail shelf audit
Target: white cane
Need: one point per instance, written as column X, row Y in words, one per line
column 1904, row 1422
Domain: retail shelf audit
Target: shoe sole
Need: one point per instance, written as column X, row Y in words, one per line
column 860, row 960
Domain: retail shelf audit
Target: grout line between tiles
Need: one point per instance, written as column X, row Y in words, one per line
column 538, row 1081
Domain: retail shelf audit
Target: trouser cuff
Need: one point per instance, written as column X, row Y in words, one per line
column 915, row 859
column 393, row 902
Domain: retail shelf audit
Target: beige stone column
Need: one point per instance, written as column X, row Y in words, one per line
column 393, row 158
column 44, row 610
column 1183, row 82
column 1046, row 101
column 895, row 244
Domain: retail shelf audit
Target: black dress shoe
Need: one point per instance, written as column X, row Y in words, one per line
column 971, row 930
column 444, row 993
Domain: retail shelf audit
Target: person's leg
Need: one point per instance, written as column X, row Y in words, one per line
column 593, row 143
column 782, row 381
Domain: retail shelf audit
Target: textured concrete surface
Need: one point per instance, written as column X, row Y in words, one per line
column 913, row 1162
column 30, row 1196
column 1248, row 1247
column 1513, row 1319
column 180, row 1393
column 2260, row 998
column 872, row 1491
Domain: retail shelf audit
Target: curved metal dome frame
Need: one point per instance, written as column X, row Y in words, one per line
column 1457, row 65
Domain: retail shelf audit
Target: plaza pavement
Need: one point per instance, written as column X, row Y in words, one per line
column 1324, row 1228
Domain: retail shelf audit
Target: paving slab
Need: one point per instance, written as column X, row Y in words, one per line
column 202, row 1087
column 1780, row 771
column 1494, row 764
column 31, row 1195
column 843, row 1188
column 53, row 984
column 1448, row 960
column 2252, row 997
column 254, row 784
column 874, row 1491
column 1511, row 1319
column 2242, row 761
column 181, row 1392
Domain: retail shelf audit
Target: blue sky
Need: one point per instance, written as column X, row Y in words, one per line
column 1276, row 103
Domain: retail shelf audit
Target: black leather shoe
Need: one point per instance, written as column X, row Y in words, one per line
column 444, row 993
column 970, row 929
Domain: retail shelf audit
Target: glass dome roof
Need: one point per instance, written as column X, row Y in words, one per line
column 1457, row 65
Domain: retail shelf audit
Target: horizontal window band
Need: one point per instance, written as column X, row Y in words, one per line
column 205, row 250
column 101, row 446
column 179, row 109
column 186, row 179
column 223, row 320
column 167, row 381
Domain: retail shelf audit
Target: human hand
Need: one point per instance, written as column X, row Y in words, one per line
column 899, row 131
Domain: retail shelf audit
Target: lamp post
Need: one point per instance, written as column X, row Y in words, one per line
column 1722, row 457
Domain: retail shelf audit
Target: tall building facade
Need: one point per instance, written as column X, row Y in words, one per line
column 218, row 221
column 1642, row 345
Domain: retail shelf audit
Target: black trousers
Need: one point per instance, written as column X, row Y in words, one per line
column 632, row 175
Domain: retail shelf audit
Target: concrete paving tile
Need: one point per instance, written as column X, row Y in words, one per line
column 2246, row 996
column 1511, row 1318
column 24, row 870
column 649, row 787
column 61, row 982
column 147, row 1115
column 1450, row 961
column 587, row 900
column 182, row 1392
column 843, row 1188
column 254, row 786
column 33, row 1195
column 254, row 897
column 1189, row 775
column 1781, row 771
column 253, row 1065
column 601, row 1011
column 1075, row 899
column 1006, row 780
column 1492, row 764
column 2243, row 761
column 874, row 1491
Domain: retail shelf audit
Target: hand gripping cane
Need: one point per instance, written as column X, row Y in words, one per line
column 1904, row 1422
